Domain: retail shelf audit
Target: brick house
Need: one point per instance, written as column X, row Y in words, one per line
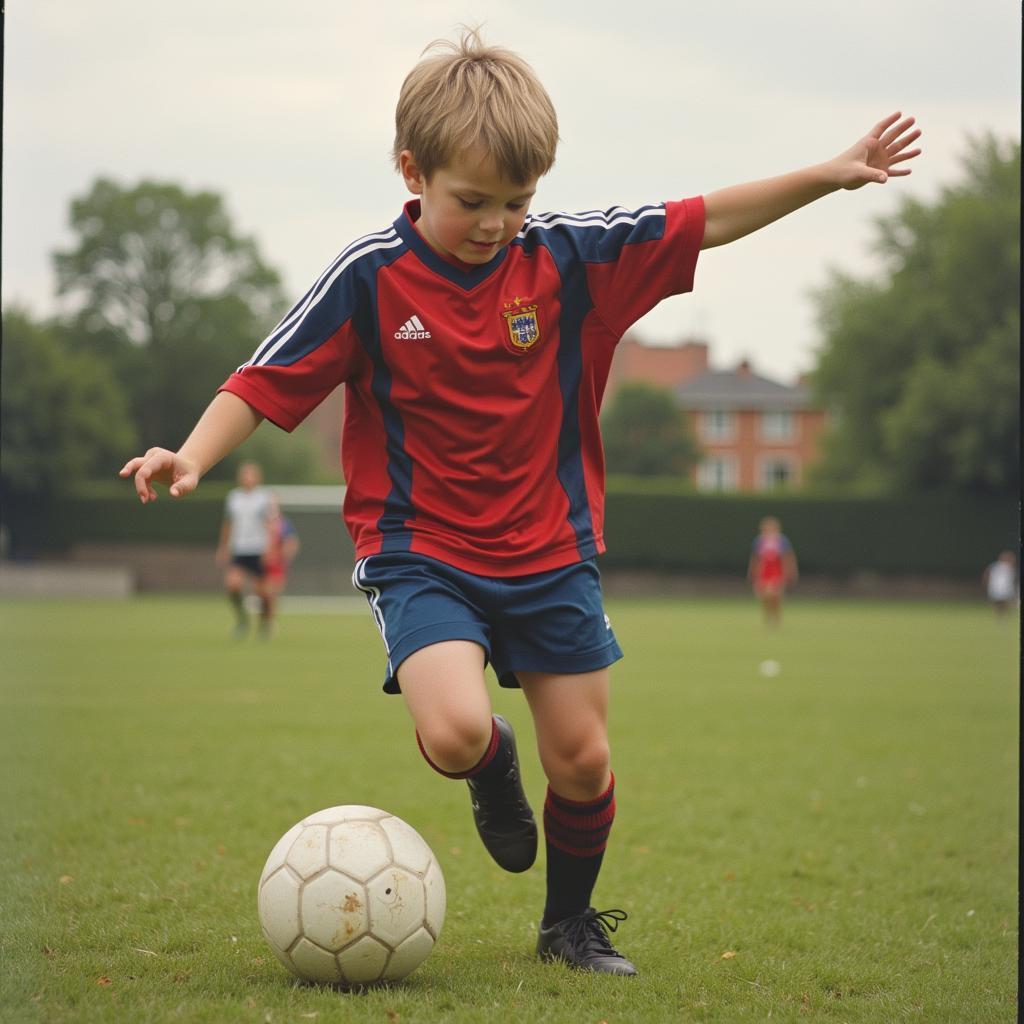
column 756, row 434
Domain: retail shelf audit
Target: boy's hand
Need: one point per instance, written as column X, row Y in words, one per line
column 874, row 157
column 159, row 465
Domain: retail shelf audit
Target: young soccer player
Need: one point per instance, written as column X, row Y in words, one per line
column 474, row 342
column 244, row 538
column 772, row 568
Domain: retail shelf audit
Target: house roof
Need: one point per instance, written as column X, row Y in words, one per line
column 741, row 389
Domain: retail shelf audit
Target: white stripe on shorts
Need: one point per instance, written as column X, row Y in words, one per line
column 373, row 598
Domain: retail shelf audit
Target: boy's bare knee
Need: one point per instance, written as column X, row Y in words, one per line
column 456, row 745
column 580, row 772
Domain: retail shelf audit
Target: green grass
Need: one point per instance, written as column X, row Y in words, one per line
column 848, row 829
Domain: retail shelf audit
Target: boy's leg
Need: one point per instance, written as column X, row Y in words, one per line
column 445, row 692
column 570, row 713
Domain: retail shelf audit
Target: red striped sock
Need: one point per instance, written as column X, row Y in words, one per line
column 576, row 833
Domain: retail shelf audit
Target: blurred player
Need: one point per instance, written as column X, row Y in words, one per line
column 1001, row 582
column 244, row 538
column 282, row 547
column 772, row 568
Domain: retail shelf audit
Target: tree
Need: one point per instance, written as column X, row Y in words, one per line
column 922, row 365
column 169, row 292
column 647, row 434
column 63, row 416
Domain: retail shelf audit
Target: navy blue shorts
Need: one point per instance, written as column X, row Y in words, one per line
column 545, row 622
column 252, row 564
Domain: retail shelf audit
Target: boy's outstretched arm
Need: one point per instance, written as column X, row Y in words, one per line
column 731, row 213
column 227, row 422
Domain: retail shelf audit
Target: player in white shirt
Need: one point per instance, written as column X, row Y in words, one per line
column 1001, row 581
column 244, row 539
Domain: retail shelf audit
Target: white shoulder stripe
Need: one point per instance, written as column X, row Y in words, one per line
column 264, row 353
column 594, row 215
column 389, row 233
column 577, row 222
column 300, row 309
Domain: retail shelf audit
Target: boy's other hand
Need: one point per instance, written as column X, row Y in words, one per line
column 876, row 156
column 159, row 465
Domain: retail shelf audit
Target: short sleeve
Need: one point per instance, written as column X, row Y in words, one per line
column 632, row 259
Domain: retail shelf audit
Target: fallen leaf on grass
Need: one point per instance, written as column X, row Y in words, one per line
column 221, row 850
column 103, row 980
column 393, row 1016
column 728, row 954
column 46, row 951
column 65, row 879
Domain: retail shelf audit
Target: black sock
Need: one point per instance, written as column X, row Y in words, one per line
column 576, row 834
column 238, row 602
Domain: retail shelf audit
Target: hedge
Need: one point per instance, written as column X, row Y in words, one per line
column 649, row 525
column 941, row 535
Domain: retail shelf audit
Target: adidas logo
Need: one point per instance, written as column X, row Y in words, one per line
column 412, row 329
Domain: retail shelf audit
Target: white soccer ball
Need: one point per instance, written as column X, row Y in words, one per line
column 350, row 896
column 769, row 668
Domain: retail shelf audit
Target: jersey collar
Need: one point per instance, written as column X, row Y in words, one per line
column 466, row 279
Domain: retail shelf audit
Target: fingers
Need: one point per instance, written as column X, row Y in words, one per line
column 145, row 468
column 901, row 143
column 895, row 130
column 884, row 124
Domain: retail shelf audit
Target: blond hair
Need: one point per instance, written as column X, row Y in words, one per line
column 470, row 94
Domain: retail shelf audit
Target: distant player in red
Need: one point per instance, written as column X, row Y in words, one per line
column 282, row 547
column 772, row 568
column 474, row 341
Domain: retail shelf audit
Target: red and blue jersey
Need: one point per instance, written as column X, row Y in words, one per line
column 770, row 552
column 472, row 393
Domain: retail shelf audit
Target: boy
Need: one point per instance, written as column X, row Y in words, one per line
column 244, row 538
column 772, row 567
column 474, row 342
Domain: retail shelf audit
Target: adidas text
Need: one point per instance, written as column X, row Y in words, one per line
column 411, row 330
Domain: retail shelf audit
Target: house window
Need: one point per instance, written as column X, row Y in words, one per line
column 776, row 473
column 717, row 473
column 718, row 425
column 778, row 425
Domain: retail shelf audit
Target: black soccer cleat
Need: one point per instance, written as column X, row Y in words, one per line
column 582, row 942
column 502, row 813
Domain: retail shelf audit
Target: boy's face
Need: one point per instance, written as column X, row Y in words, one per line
column 467, row 209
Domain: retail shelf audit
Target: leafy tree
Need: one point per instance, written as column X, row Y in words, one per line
column 167, row 290
column 922, row 365
column 647, row 434
column 63, row 415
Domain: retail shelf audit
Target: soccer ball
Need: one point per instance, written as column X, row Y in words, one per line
column 351, row 896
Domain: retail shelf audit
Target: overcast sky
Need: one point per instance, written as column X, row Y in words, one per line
column 287, row 110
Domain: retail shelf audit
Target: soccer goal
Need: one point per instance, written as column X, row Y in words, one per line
column 323, row 566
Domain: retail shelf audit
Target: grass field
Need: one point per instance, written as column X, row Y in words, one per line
column 836, row 843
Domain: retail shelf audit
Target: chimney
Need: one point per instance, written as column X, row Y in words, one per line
column 744, row 369
column 693, row 359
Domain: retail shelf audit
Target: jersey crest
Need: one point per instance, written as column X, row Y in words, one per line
column 523, row 325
